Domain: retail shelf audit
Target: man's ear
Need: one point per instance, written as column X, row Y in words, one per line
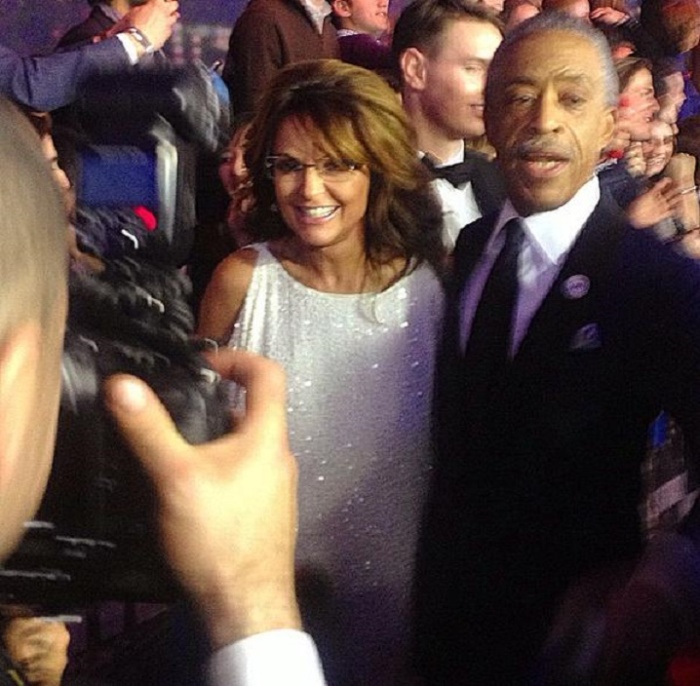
column 19, row 370
column 413, row 68
column 341, row 8
column 608, row 124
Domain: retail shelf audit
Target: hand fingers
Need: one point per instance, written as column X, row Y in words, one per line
column 144, row 423
column 151, row 433
column 666, row 196
column 662, row 185
column 662, row 191
column 264, row 381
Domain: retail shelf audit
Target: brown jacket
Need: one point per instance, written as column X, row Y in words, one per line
column 267, row 36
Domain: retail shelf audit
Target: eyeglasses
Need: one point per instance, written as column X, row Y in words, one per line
column 288, row 167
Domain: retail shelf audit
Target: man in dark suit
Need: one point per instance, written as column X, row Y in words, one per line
column 47, row 83
column 442, row 50
column 567, row 331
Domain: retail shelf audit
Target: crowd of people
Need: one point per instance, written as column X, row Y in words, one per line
column 468, row 236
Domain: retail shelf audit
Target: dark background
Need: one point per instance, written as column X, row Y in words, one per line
column 34, row 26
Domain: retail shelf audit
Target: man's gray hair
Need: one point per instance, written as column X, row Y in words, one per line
column 556, row 21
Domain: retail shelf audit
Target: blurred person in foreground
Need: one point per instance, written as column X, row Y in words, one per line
column 227, row 509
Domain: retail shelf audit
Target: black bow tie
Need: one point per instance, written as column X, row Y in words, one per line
column 456, row 174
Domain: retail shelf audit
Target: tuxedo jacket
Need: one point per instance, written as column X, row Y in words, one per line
column 46, row 83
column 542, row 488
column 487, row 182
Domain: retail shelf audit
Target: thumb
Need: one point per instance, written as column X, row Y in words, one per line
column 144, row 423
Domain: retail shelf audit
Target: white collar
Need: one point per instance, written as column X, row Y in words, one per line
column 453, row 159
column 317, row 10
column 554, row 232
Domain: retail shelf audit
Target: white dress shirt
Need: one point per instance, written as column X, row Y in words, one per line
column 284, row 657
column 459, row 206
column 548, row 237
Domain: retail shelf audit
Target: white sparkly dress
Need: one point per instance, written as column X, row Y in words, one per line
column 360, row 373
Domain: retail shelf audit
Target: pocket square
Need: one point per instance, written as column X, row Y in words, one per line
column 586, row 338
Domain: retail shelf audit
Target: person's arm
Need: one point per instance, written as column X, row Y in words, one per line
column 154, row 21
column 225, row 294
column 46, row 83
column 681, row 168
column 228, row 515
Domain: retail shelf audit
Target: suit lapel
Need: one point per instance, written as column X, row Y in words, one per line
column 487, row 185
column 470, row 246
column 567, row 319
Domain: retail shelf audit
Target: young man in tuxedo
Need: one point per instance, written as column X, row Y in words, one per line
column 443, row 49
column 567, row 331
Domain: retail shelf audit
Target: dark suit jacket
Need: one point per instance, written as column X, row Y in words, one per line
column 96, row 23
column 487, row 182
column 46, row 83
column 544, row 487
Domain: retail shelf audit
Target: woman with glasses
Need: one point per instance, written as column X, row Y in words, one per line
column 342, row 289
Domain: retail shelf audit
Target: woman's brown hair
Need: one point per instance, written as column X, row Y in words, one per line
column 358, row 118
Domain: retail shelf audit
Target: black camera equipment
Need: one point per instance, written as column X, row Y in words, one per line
column 95, row 536
column 140, row 135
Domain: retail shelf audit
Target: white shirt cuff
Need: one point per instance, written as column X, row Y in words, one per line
column 131, row 51
column 284, row 656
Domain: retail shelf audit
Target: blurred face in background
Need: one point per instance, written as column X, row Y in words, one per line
column 638, row 105
column 232, row 170
column 673, row 98
column 455, row 75
column 658, row 150
column 363, row 16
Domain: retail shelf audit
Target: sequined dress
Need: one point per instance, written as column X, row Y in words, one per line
column 360, row 370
